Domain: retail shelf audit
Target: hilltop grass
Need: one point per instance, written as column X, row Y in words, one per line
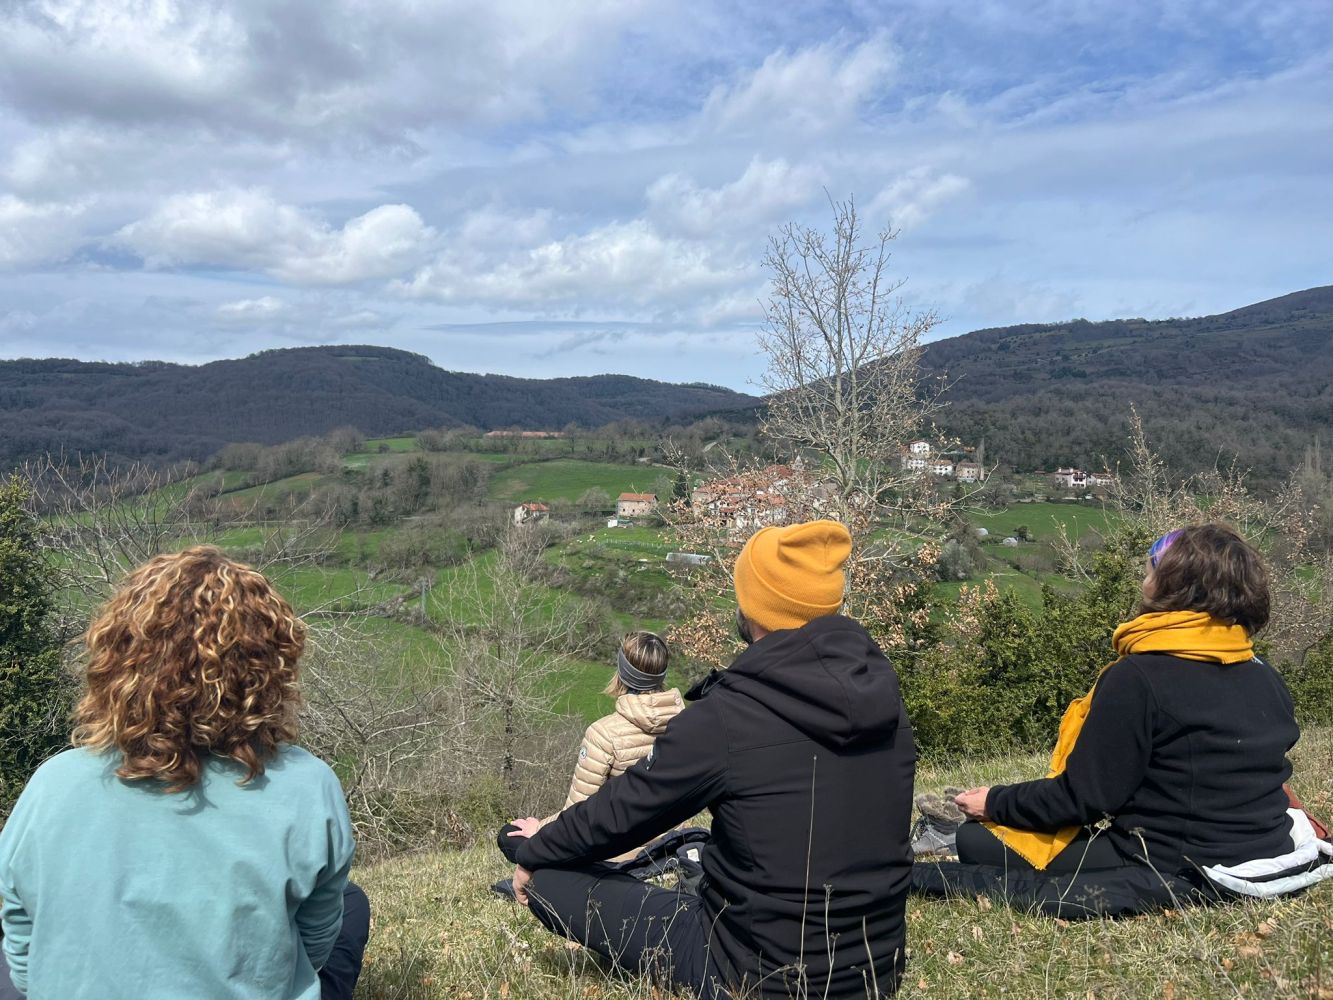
column 439, row 933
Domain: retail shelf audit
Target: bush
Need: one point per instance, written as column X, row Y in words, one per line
column 1311, row 684
column 1002, row 677
column 35, row 694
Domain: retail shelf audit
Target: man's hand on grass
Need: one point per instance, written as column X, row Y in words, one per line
column 521, row 879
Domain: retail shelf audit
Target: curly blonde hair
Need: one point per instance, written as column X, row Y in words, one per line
column 195, row 654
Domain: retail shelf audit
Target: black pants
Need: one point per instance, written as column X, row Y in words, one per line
column 978, row 846
column 337, row 979
column 644, row 929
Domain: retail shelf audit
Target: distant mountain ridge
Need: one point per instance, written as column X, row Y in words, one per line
column 1253, row 386
column 165, row 412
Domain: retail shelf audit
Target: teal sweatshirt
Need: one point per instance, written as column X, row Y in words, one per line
column 115, row 889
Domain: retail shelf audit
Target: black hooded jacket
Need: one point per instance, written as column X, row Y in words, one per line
column 803, row 753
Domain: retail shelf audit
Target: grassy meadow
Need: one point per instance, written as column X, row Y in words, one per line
column 440, row 933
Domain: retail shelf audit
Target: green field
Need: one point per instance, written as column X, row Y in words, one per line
column 569, row 479
column 1043, row 519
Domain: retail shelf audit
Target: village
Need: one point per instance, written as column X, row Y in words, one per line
column 751, row 499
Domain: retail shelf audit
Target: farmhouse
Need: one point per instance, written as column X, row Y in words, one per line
column 968, row 472
column 941, row 466
column 526, row 512
column 1079, row 479
column 920, row 447
column 635, row 504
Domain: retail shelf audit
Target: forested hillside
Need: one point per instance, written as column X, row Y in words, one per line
column 1255, row 384
column 165, row 412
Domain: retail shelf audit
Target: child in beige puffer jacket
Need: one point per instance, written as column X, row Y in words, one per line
column 620, row 740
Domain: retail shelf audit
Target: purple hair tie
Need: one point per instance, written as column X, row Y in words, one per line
column 1161, row 545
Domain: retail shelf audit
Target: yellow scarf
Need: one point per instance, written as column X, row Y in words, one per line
column 1190, row 635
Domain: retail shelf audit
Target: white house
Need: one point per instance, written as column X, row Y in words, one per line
column 635, row 504
column 526, row 512
column 920, row 447
column 1071, row 479
column 1101, row 479
column 912, row 461
column 941, row 466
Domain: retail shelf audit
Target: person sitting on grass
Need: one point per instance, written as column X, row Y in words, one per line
column 803, row 753
column 1177, row 757
column 644, row 706
column 185, row 847
column 615, row 742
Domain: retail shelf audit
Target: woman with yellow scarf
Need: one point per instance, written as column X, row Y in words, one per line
column 1177, row 756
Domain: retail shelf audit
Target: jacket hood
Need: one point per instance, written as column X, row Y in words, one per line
column 652, row 711
column 828, row 678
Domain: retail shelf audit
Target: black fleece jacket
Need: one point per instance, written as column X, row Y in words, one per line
column 1188, row 759
column 804, row 755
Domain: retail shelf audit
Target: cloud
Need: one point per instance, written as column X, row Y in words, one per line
column 907, row 200
column 252, row 311
column 249, row 230
column 628, row 264
column 36, row 232
column 807, row 92
column 767, row 192
column 310, row 319
column 302, row 68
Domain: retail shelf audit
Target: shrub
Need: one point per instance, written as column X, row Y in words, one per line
column 35, row 694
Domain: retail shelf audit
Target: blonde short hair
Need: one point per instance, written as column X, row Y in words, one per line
column 646, row 651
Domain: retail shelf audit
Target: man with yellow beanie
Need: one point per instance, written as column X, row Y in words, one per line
column 803, row 753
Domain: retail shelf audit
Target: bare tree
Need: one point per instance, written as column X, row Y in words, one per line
column 100, row 520
column 843, row 376
column 845, row 396
column 506, row 644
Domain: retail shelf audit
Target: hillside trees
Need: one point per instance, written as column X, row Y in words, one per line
column 35, row 692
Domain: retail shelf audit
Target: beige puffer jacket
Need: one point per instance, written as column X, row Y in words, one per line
column 617, row 742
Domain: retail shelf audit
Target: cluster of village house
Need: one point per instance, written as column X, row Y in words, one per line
column 922, row 456
column 752, row 500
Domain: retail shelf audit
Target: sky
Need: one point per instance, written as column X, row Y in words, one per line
column 548, row 189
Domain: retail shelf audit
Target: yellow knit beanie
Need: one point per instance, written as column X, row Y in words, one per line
column 787, row 576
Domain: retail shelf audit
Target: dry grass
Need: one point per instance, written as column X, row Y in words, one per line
column 439, row 933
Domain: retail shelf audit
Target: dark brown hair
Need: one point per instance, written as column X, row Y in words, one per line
column 1212, row 569
column 194, row 655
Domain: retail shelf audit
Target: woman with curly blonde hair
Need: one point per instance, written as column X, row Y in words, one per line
column 185, row 846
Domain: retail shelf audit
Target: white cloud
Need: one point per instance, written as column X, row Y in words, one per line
column 307, row 67
column 806, row 92
column 34, row 233
column 249, row 230
column 906, row 201
column 618, row 265
column 766, row 193
column 251, row 311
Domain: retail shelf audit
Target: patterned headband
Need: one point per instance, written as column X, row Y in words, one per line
column 635, row 679
column 1161, row 545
